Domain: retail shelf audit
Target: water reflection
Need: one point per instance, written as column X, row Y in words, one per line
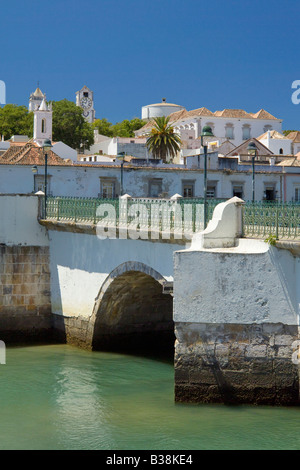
column 59, row 397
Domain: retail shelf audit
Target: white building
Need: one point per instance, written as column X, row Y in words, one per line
column 294, row 136
column 235, row 125
column 103, row 145
column 276, row 142
column 279, row 182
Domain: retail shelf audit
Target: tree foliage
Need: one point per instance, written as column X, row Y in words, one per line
column 15, row 120
column 104, row 127
column 124, row 128
column 69, row 125
column 162, row 141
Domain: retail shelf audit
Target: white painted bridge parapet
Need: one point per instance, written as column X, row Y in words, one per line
column 225, row 228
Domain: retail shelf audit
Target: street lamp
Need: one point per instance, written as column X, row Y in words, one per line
column 46, row 147
column 252, row 151
column 121, row 157
column 206, row 132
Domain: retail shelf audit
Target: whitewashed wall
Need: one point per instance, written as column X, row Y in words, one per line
column 19, row 225
column 276, row 144
column 84, row 180
column 251, row 283
column 80, row 263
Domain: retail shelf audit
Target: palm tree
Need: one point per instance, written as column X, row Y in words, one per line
column 162, row 140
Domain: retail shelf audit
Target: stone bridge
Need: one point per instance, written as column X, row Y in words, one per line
column 233, row 314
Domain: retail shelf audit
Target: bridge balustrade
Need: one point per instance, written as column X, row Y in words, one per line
column 260, row 219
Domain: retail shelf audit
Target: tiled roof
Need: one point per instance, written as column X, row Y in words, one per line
column 262, row 114
column 233, row 113
column 290, row 162
column 242, row 148
column 38, row 93
column 294, row 136
column 199, row 112
column 31, row 154
column 273, row 135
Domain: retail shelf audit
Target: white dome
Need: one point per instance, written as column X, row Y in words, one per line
column 152, row 111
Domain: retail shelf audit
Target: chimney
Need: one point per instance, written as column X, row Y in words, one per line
column 268, row 138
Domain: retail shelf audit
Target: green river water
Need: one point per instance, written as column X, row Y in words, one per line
column 58, row 397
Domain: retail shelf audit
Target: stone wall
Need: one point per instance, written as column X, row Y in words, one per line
column 25, row 305
column 236, row 363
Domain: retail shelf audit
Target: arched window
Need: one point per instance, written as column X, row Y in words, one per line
column 246, row 131
column 280, row 151
column 43, row 126
column 229, row 131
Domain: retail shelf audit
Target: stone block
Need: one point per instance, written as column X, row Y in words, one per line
column 283, row 340
column 256, row 350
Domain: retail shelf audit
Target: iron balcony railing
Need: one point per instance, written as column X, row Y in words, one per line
column 260, row 219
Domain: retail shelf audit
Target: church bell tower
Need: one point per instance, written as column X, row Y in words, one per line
column 42, row 127
column 85, row 99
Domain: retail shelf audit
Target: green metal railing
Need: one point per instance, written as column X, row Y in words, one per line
column 260, row 220
column 281, row 220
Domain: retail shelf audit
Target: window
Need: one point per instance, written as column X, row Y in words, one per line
column 270, row 193
column 155, row 187
column 267, row 128
column 188, row 188
column 297, row 194
column 39, row 183
column 238, row 190
column 107, row 188
column 43, row 126
column 280, row 151
column 246, row 132
column 211, row 189
column 85, row 94
column 229, row 131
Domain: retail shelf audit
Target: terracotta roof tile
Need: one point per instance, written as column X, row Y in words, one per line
column 290, row 162
column 273, row 134
column 294, row 136
column 31, row 154
column 233, row 113
column 262, row 114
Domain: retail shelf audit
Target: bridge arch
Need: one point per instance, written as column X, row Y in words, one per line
column 131, row 312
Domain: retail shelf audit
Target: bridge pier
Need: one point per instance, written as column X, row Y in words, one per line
column 236, row 313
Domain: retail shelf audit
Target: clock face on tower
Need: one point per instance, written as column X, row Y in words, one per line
column 86, row 102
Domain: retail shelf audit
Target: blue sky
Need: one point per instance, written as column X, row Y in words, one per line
column 218, row 54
